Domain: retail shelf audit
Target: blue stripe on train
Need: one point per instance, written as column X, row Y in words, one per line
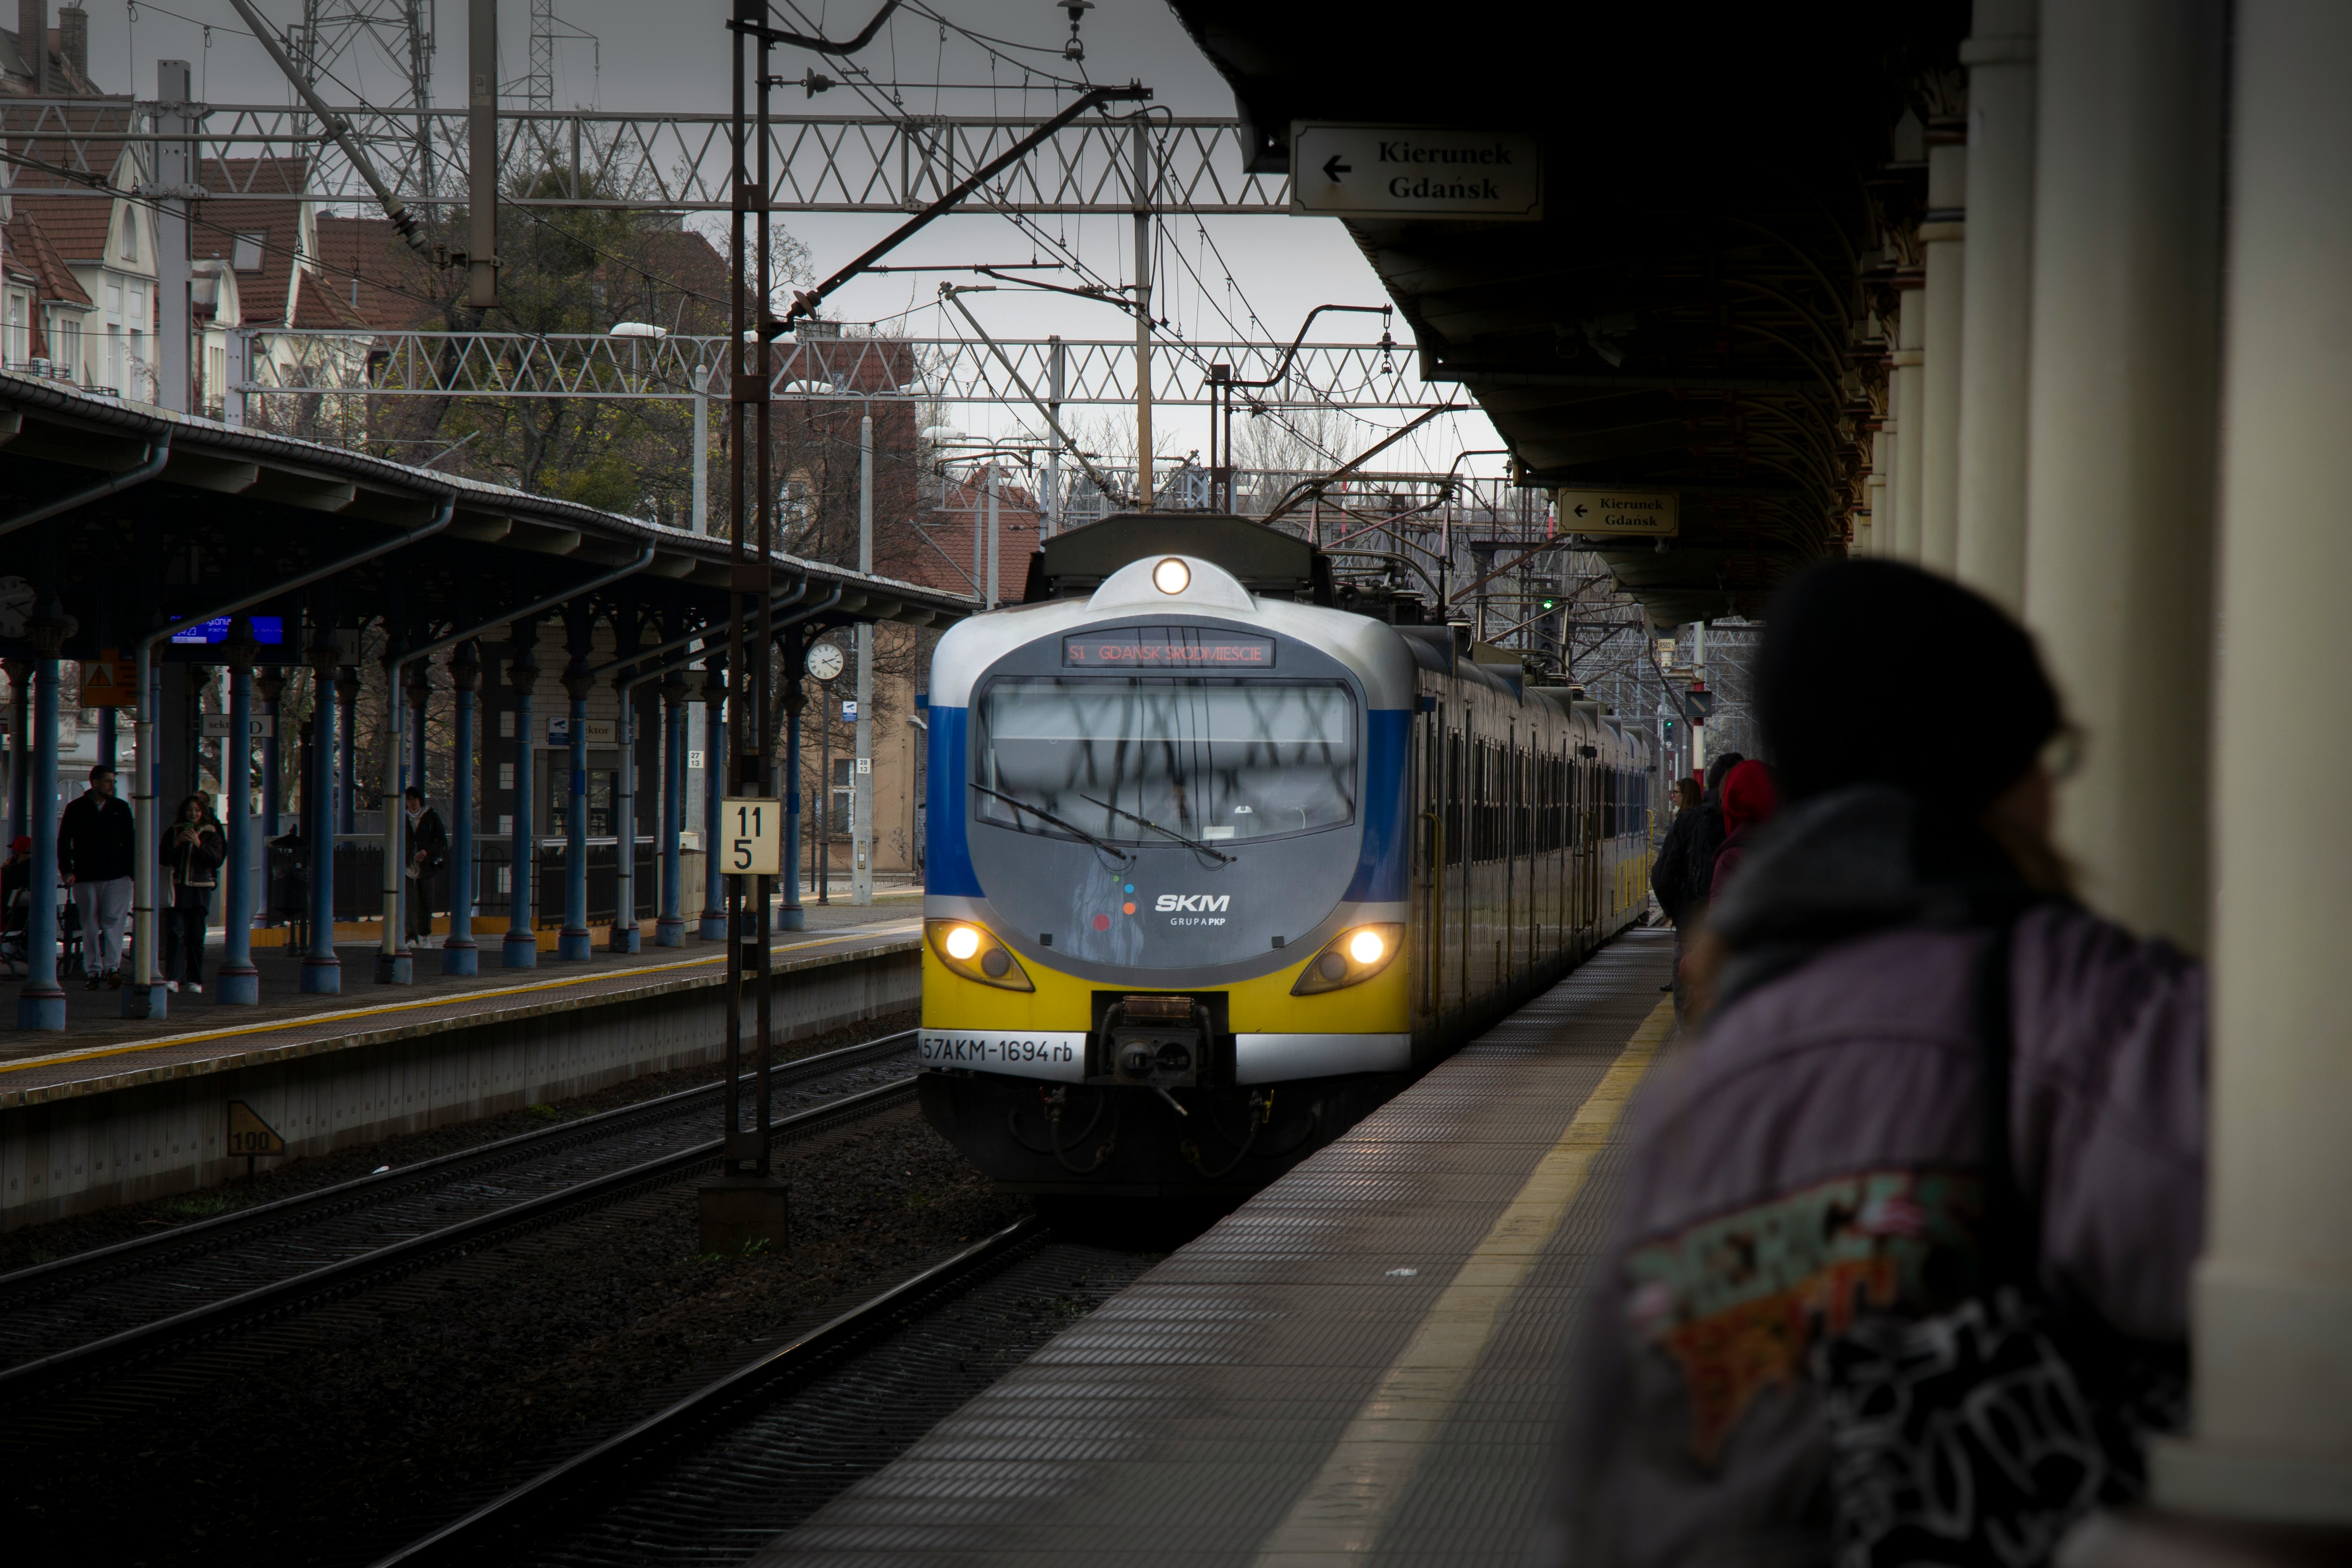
column 947, row 859
column 1380, row 868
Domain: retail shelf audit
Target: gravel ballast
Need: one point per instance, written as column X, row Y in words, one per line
column 105, row 1227
column 394, row 1412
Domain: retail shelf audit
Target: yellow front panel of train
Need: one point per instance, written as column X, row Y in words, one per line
column 1265, row 1006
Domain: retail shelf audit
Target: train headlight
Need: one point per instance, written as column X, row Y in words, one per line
column 1353, row 956
column 1171, row 576
column 969, row 951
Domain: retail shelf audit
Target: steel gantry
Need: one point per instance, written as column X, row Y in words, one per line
column 883, row 369
column 668, row 162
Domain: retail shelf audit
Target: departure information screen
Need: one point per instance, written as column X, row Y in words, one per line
column 1166, row 647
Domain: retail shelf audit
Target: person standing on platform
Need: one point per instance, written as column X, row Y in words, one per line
column 1747, row 803
column 1666, row 870
column 1923, row 1197
column 1696, row 867
column 192, row 854
column 428, row 855
column 97, row 853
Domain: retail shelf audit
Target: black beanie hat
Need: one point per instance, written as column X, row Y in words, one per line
column 1875, row 672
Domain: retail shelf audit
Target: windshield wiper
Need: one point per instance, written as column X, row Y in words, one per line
column 1041, row 813
column 1188, row 843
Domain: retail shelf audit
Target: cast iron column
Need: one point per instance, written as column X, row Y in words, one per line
column 459, row 952
column 41, row 1002
column 669, row 931
column 521, row 950
column 574, row 944
column 239, row 984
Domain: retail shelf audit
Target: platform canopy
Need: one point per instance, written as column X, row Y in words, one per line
column 1696, row 310
column 234, row 510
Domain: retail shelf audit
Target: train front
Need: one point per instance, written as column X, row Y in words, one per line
column 1166, row 910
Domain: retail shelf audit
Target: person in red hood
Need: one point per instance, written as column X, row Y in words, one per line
column 1748, row 802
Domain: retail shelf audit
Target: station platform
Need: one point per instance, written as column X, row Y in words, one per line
column 117, row 1110
column 1360, row 1363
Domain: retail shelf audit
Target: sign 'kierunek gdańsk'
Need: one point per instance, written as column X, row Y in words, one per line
column 1414, row 172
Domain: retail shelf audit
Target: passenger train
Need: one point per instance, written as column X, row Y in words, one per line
column 1216, row 863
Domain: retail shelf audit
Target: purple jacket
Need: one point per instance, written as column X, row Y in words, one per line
column 1814, row 1153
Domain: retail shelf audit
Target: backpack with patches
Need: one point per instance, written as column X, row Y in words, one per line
column 1979, row 1437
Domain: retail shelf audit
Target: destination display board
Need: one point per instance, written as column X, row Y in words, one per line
column 1166, row 647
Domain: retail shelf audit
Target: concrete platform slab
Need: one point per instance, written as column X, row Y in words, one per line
column 1360, row 1364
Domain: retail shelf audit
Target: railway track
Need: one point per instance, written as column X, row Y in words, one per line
column 102, row 1312
column 713, row 1476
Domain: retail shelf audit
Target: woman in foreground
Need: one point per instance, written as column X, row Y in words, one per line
column 1901, row 1260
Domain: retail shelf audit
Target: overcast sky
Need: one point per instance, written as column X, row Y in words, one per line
column 673, row 56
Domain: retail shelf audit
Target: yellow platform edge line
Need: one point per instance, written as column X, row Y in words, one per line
column 1341, row 1513
column 99, row 1053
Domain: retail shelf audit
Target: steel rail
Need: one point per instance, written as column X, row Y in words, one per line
column 509, row 1511
column 143, row 1251
column 349, row 1275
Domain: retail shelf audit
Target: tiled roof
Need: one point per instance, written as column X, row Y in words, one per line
column 396, row 287
column 264, row 295
column 77, row 225
column 83, row 138
column 31, row 249
column 320, row 306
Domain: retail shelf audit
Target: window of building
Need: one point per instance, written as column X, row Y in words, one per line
column 138, row 305
column 245, row 255
column 130, row 233
column 114, row 298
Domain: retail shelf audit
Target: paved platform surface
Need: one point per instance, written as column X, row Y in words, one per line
column 101, row 1049
column 1360, row 1364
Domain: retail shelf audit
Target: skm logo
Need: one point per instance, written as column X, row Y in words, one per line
column 1194, row 903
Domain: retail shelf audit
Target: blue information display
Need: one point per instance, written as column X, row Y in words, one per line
column 267, row 630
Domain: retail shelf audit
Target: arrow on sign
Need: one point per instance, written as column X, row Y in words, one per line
column 1333, row 168
column 1580, row 508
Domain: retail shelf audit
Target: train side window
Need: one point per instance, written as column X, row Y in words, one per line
column 1520, row 818
column 1453, row 782
column 1478, row 801
column 1490, row 787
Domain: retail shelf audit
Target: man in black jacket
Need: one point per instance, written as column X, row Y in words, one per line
column 428, row 853
column 1684, row 869
column 97, row 853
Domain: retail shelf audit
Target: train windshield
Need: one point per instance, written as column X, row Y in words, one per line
column 1141, row 761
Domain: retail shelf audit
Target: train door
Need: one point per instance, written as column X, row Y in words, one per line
column 1429, row 863
column 1454, row 902
column 1475, row 785
column 1507, row 949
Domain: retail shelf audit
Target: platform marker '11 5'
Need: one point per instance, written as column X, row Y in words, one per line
column 755, row 838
